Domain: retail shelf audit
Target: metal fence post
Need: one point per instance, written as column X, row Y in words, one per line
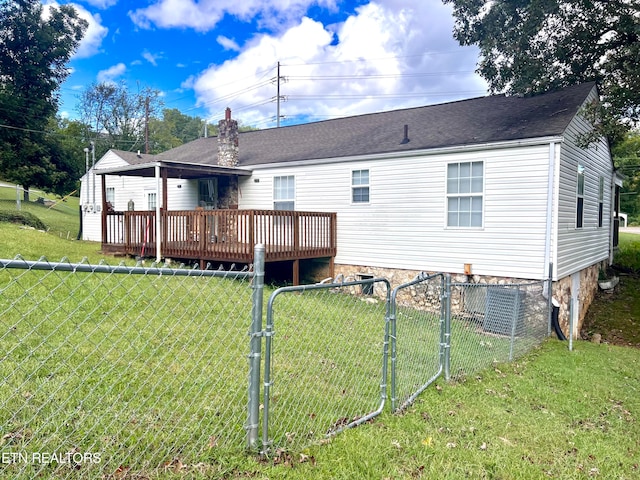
column 550, row 297
column 391, row 334
column 514, row 323
column 256, row 346
column 571, row 309
column 447, row 327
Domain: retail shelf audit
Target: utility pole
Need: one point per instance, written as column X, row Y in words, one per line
column 278, row 98
column 146, row 125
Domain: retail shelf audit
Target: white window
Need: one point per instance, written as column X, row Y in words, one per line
column 580, row 198
column 465, row 186
column 360, row 186
column 111, row 196
column 151, row 200
column 284, row 192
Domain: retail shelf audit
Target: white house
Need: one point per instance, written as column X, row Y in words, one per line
column 491, row 187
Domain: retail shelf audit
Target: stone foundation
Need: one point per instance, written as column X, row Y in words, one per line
column 414, row 295
column 418, row 298
column 588, row 290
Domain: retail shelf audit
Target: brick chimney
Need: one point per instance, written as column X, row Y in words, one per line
column 227, row 141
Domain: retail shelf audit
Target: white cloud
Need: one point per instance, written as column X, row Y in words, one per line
column 205, row 14
column 94, row 35
column 102, row 3
column 389, row 54
column 152, row 58
column 111, row 73
column 228, row 43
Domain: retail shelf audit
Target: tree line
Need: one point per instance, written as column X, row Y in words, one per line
column 39, row 148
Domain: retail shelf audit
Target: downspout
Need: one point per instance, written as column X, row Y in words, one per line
column 613, row 212
column 158, row 219
column 547, row 240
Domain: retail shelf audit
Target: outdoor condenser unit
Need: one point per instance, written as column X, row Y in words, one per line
column 504, row 310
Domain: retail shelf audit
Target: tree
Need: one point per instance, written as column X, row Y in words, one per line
column 175, row 129
column 117, row 116
column 34, row 51
column 531, row 46
column 68, row 140
column 626, row 155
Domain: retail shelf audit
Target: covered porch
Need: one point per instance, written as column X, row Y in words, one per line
column 213, row 235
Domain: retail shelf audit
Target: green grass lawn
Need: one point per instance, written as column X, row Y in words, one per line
column 62, row 222
column 123, row 373
column 616, row 316
column 61, row 219
column 141, row 369
column 32, row 244
column 552, row 414
column 628, row 255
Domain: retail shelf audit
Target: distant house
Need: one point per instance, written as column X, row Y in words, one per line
column 488, row 188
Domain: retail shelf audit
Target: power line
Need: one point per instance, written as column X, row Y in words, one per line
column 372, row 76
column 61, row 135
column 365, row 60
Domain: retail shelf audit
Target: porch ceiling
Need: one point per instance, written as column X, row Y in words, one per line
column 174, row 170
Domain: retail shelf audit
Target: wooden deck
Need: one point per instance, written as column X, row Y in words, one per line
column 222, row 235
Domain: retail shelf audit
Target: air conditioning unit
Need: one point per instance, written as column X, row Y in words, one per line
column 504, row 313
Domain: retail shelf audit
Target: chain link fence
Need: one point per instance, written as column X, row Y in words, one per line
column 494, row 323
column 326, row 360
column 117, row 371
column 108, row 371
column 459, row 329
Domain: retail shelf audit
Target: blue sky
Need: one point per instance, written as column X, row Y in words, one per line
column 337, row 57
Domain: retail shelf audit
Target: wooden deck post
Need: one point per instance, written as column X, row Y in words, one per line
column 296, row 233
column 296, row 272
column 104, row 210
column 252, row 237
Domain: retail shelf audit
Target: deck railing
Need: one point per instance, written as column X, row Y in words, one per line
column 223, row 235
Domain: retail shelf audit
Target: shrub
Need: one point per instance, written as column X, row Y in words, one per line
column 24, row 218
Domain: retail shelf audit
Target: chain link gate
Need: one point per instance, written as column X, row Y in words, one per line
column 419, row 338
column 326, row 357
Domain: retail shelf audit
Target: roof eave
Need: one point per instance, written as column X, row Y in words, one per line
column 418, row 152
column 175, row 170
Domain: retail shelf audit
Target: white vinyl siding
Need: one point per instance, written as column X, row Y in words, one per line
column 182, row 194
column 578, row 249
column 404, row 224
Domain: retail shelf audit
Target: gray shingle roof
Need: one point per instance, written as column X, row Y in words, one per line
column 494, row 118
